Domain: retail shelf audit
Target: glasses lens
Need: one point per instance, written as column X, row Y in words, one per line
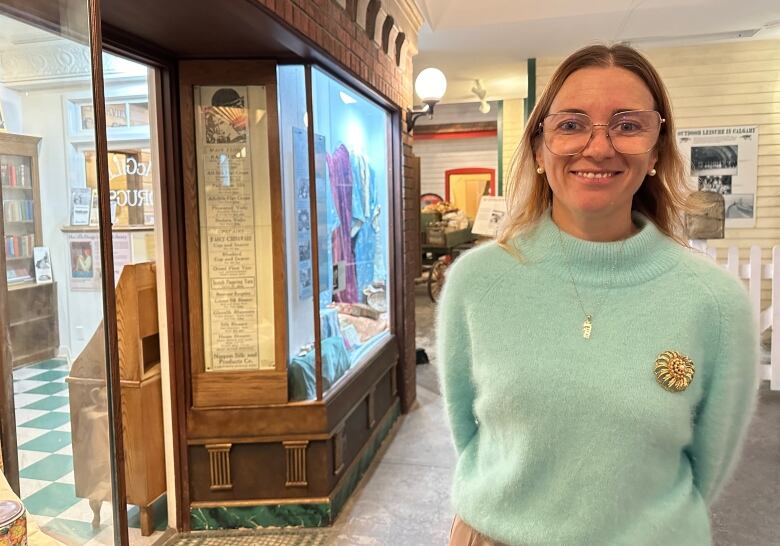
column 567, row 133
column 634, row 132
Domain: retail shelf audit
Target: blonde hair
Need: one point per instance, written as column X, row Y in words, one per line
column 662, row 198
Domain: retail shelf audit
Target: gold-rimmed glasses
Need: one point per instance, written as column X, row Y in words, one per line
column 632, row 132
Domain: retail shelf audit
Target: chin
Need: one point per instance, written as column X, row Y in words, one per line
column 595, row 206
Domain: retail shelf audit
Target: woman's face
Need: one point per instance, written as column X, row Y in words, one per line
column 577, row 193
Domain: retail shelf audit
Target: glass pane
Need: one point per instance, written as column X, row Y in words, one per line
column 134, row 180
column 234, row 190
column 352, row 175
column 130, row 176
column 293, row 137
column 54, row 299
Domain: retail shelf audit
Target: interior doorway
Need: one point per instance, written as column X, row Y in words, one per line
column 465, row 187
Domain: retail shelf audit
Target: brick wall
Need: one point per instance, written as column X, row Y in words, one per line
column 384, row 62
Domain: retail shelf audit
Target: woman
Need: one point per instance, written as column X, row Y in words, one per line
column 598, row 376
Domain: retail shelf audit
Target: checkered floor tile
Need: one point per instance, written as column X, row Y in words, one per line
column 46, row 477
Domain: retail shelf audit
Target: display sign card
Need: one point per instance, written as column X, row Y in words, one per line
column 42, row 258
column 489, row 216
column 80, row 204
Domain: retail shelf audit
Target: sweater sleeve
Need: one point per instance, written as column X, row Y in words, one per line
column 453, row 355
column 722, row 417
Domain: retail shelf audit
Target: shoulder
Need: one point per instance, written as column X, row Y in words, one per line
column 475, row 271
column 726, row 292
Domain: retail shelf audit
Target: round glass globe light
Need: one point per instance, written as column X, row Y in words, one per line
column 430, row 84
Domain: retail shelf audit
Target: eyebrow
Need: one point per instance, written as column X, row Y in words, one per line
column 578, row 111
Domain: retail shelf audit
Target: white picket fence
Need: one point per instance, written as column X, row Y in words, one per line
column 754, row 272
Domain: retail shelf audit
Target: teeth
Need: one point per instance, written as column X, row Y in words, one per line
column 594, row 175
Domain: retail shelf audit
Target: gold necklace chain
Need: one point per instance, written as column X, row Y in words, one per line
column 587, row 325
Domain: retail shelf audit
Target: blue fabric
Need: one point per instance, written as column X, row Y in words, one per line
column 365, row 222
column 301, row 373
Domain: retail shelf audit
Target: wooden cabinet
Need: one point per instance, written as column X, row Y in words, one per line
column 32, row 322
column 142, row 419
column 32, row 308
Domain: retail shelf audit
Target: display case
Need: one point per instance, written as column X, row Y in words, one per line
column 32, row 306
column 293, row 359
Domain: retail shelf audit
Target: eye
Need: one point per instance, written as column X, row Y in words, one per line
column 627, row 126
column 569, row 126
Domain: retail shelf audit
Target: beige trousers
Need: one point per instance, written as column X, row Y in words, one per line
column 462, row 534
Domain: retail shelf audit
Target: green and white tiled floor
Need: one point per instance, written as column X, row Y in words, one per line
column 46, row 462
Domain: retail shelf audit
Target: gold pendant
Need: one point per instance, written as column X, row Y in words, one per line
column 587, row 326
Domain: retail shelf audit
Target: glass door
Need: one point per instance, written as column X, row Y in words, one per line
column 55, row 402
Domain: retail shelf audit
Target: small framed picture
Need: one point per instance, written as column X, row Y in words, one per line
column 3, row 124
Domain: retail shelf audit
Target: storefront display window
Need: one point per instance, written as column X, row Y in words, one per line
column 351, row 158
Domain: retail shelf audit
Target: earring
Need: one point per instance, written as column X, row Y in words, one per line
column 540, row 170
column 652, row 172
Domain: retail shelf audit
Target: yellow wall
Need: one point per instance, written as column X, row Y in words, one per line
column 512, row 126
column 726, row 84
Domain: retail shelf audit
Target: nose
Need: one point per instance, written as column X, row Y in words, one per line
column 599, row 146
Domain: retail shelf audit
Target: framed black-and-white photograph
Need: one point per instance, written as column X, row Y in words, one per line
column 717, row 183
column 739, row 205
column 714, row 160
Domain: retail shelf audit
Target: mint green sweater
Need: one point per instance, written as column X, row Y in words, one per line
column 565, row 441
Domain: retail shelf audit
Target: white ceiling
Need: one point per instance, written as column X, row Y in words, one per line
column 492, row 39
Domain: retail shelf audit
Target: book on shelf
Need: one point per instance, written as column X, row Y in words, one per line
column 19, row 246
column 18, row 210
column 18, row 274
column 14, row 176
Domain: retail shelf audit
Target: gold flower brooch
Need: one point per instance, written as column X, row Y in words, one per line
column 674, row 371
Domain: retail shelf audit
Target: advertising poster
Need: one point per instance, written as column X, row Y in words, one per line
column 122, row 252
column 227, row 219
column 84, row 262
column 724, row 160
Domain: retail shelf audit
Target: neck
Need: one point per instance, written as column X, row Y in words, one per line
column 594, row 228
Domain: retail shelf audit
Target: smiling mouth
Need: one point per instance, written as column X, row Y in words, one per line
column 596, row 175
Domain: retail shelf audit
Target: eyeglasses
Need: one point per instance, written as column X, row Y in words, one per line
column 632, row 132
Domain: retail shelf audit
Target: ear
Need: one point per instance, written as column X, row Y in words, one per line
column 653, row 159
column 539, row 157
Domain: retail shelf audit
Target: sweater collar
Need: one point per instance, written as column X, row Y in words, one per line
column 644, row 256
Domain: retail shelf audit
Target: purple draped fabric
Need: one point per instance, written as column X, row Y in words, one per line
column 340, row 171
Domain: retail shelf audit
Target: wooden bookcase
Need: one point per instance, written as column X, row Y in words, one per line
column 32, row 307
